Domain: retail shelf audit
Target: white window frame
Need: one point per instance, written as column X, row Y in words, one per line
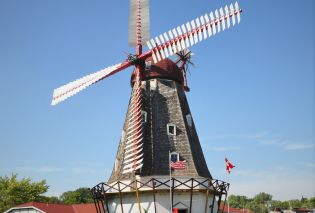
column 148, row 65
column 174, row 153
column 145, row 115
column 168, row 129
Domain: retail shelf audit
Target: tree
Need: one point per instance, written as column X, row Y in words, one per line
column 263, row 202
column 295, row 203
column 262, row 198
column 80, row 195
column 254, row 206
column 52, row 199
column 280, row 204
column 312, row 202
column 238, row 201
column 14, row 192
column 260, row 202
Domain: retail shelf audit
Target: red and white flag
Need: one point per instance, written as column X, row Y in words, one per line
column 228, row 165
column 178, row 164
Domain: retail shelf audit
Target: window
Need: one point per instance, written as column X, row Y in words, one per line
column 123, row 134
column 171, row 129
column 189, row 120
column 144, row 116
column 116, row 164
column 148, row 65
column 153, row 84
column 174, row 156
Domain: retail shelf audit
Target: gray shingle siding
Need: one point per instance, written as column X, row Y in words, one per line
column 165, row 102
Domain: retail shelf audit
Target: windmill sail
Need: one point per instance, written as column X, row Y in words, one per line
column 62, row 93
column 182, row 37
column 145, row 22
column 133, row 153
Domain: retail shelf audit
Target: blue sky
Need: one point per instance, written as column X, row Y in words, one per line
column 252, row 91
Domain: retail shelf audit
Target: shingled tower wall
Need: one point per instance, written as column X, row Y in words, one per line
column 164, row 103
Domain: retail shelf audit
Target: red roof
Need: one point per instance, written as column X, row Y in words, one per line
column 165, row 69
column 302, row 210
column 84, row 208
column 234, row 210
column 61, row 208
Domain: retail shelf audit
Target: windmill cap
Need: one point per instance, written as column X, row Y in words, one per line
column 165, row 69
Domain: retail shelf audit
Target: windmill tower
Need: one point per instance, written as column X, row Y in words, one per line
column 159, row 165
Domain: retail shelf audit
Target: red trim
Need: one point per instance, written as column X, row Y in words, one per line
column 139, row 46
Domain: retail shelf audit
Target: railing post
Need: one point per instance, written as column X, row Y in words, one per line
column 191, row 194
column 105, row 199
column 120, row 197
column 153, row 187
column 137, row 194
column 96, row 206
column 207, row 195
column 213, row 204
column 172, row 193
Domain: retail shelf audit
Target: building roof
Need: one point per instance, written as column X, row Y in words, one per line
column 165, row 69
column 302, row 210
column 234, row 210
column 58, row 208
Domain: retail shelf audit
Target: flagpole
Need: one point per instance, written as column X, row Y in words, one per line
column 228, row 204
column 169, row 165
column 228, row 167
column 227, row 195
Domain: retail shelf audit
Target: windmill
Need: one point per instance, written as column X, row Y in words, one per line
column 158, row 128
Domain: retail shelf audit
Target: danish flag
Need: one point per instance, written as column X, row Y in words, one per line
column 228, row 165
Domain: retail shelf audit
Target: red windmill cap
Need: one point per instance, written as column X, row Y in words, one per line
column 165, row 69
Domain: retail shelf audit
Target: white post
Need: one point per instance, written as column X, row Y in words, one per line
column 228, row 206
column 169, row 164
column 227, row 175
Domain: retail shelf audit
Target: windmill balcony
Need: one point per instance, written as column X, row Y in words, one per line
column 165, row 191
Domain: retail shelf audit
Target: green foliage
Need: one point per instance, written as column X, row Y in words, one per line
column 280, row 204
column 312, row 202
column 262, row 198
column 53, row 199
column 257, row 207
column 304, row 202
column 262, row 203
column 14, row 192
column 81, row 195
column 295, row 203
column 238, row 201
